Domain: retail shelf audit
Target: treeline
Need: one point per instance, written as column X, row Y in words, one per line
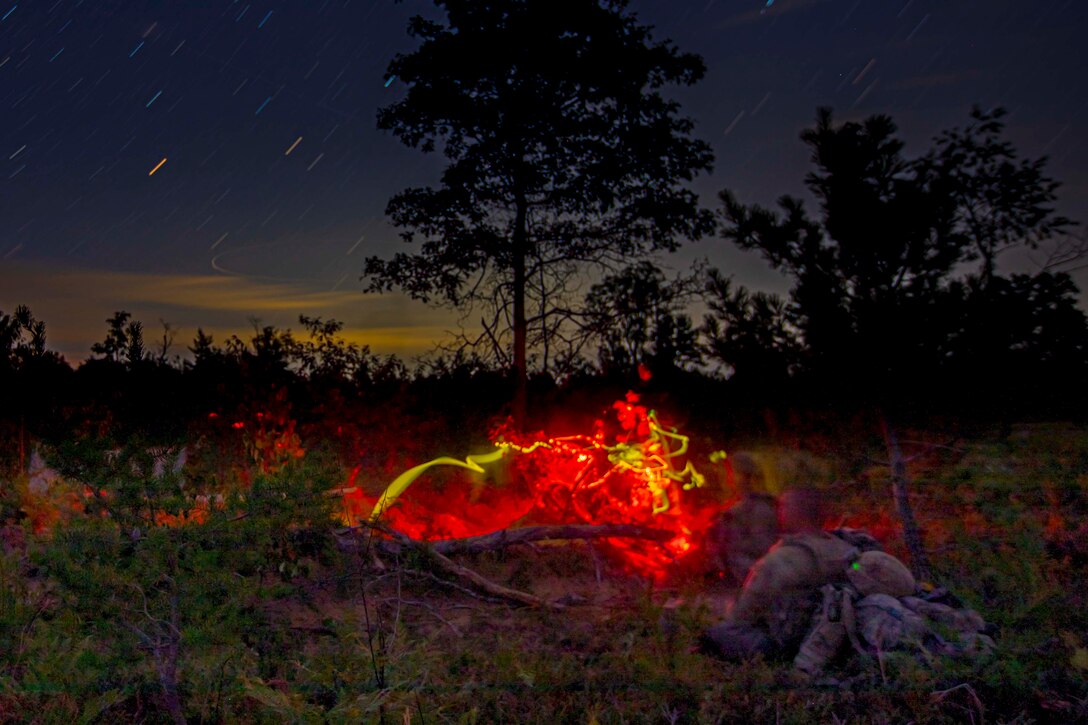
column 274, row 385
column 1005, row 347
column 896, row 289
column 898, row 303
column 563, row 188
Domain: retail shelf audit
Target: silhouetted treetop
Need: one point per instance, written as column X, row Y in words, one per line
column 881, row 292
column 637, row 316
column 562, row 153
column 1002, row 200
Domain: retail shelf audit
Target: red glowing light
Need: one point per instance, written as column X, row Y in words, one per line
column 638, row 478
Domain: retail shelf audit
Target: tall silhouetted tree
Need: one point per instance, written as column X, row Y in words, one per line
column 872, row 273
column 562, row 153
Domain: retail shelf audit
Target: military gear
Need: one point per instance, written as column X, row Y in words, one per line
column 742, row 534
column 966, row 630
column 875, row 572
column 736, row 641
column 783, row 587
column 813, row 592
column 880, row 622
column 863, row 540
column 883, row 622
column 796, row 564
column 962, row 620
column 830, row 626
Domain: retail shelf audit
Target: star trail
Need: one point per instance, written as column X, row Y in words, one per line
column 266, row 112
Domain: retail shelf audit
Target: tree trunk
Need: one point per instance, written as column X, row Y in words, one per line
column 168, row 680
column 168, row 665
column 900, row 482
column 521, row 375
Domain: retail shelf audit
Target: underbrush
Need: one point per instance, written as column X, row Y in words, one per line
column 265, row 619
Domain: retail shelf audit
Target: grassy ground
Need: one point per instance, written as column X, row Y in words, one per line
column 323, row 635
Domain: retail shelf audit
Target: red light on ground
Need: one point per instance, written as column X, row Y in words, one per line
column 574, row 479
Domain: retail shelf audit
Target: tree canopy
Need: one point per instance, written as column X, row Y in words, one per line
column 883, row 288
column 638, row 317
column 562, row 152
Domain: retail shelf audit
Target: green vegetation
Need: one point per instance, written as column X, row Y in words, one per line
column 139, row 587
column 135, row 608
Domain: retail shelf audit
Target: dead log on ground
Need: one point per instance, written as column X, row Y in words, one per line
column 439, row 551
column 479, row 581
column 498, row 540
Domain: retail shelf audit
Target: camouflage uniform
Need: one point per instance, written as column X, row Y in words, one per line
column 783, row 587
column 877, row 612
column 813, row 593
column 832, row 623
column 873, row 575
column 886, row 622
column 773, row 612
column 742, row 534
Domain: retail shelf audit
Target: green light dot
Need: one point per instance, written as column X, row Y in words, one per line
column 855, row 565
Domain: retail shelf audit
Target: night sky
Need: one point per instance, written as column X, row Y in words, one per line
column 257, row 119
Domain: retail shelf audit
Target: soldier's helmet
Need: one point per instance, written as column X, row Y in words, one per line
column 875, row 572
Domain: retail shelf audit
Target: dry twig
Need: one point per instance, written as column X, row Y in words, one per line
column 479, row 581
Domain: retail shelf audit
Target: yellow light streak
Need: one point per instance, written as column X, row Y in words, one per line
column 404, row 480
column 157, row 166
column 651, row 459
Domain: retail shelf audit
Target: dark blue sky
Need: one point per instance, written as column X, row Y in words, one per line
column 94, row 94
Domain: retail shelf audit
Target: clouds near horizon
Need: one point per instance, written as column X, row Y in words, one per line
column 76, row 302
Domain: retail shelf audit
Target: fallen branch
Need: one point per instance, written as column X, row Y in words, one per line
column 507, row 537
column 479, row 581
column 498, row 540
column 439, row 551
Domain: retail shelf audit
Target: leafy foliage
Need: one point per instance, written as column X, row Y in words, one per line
column 1001, row 200
column 562, row 151
column 265, row 623
column 877, row 301
column 171, row 575
column 749, row 332
column 637, row 314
